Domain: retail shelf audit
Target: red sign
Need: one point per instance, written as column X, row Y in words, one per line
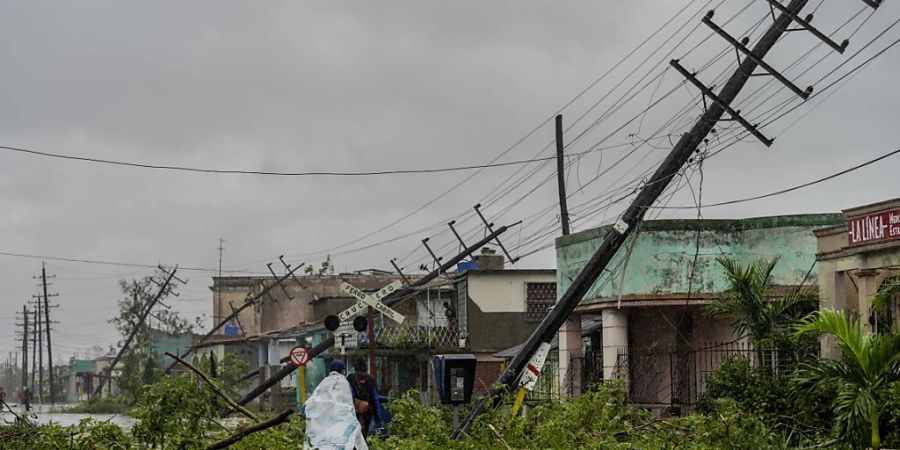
column 880, row 226
column 299, row 356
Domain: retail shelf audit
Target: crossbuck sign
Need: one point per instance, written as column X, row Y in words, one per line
column 374, row 301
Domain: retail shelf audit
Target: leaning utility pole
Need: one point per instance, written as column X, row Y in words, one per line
column 134, row 330
column 561, row 177
column 389, row 300
column 250, row 300
column 680, row 154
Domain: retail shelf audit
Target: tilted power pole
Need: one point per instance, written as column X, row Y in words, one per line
column 675, row 160
column 389, row 300
column 134, row 330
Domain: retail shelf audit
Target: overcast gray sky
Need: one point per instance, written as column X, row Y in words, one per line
column 357, row 86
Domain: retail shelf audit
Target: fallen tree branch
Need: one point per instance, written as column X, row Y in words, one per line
column 214, row 388
column 243, row 432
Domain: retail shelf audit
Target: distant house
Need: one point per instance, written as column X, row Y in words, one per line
column 482, row 310
column 497, row 308
column 650, row 302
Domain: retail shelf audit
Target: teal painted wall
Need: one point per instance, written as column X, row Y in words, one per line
column 663, row 254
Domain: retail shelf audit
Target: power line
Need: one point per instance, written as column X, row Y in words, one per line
column 791, row 189
column 278, row 173
column 111, row 263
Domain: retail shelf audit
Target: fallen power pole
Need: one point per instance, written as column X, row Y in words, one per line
column 134, row 331
column 390, row 300
column 676, row 159
column 250, row 300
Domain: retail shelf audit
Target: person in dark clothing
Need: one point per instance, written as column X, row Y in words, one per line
column 365, row 395
column 26, row 398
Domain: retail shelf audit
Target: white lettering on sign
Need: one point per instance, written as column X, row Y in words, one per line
column 874, row 227
column 369, row 300
column 533, row 369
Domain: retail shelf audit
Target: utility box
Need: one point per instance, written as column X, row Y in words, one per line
column 454, row 377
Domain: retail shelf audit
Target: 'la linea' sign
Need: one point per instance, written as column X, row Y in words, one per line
column 879, row 226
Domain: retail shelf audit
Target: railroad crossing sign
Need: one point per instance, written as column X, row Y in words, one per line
column 299, row 356
column 374, row 301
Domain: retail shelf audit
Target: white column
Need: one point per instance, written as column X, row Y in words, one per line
column 570, row 354
column 615, row 339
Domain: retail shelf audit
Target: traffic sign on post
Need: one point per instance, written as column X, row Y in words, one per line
column 365, row 300
column 299, row 356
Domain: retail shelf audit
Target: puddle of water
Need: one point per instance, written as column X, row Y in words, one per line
column 49, row 414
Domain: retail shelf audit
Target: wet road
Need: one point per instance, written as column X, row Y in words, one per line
column 47, row 414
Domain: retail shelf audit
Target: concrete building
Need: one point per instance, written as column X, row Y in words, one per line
column 650, row 302
column 497, row 308
column 857, row 258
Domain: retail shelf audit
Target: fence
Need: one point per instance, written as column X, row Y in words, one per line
column 677, row 377
column 411, row 336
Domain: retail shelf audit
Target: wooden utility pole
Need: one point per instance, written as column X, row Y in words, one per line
column 47, row 322
column 561, row 177
column 34, row 345
column 38, row 319
column 681, row 153
column 24, row 347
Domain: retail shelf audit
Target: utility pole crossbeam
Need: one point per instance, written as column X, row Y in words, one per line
column 561, row 177
column 399, row 272
column 806, row 25
column 742, row 47
column 134, row 331
column 681, row 153
column 458, row 237
column 735, row 115
column 490, row 228
column 873, row 3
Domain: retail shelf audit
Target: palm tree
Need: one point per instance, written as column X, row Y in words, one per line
column 869, row 364
column 750, row 304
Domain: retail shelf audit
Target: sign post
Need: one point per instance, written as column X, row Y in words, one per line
column 299, row 357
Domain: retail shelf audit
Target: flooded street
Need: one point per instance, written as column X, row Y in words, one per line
column 50, row 414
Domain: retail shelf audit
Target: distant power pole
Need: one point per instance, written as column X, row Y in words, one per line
column 24, row 347
column 218, row 306
column 561, row 177
column 47, row 323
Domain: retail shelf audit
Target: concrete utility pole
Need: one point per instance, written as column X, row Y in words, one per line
column 680, row 154
column 561, row 177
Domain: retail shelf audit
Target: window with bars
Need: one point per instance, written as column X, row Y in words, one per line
column 539, row 299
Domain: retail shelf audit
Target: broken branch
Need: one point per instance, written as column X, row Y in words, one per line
column 243, row 432
column 214, row 388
